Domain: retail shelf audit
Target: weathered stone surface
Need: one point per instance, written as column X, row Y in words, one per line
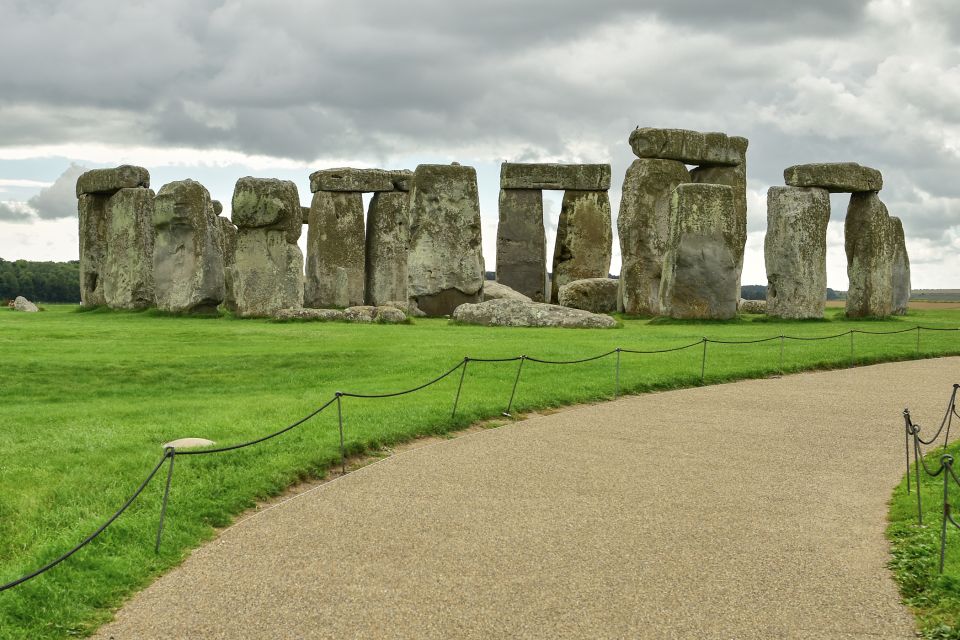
column 517, row 313
column 228, row 239
column 267, row 203
column 900, row 270
column 597, row 295
column 644, row 227
column 868, row 241
column 584, row 239
column 306, row 214
column 92, row 212
column 390, row 315
column 345, row 179
column 496, row 291
column 361, row 313
column 269, row 264
column 445, row 264
column 22, row 304
column 835, row 177
column 795, row 251
column 752, row 306
column 335, row 250
column 188, row 443
column 188, row 262
column 700, row 264
column 309, row 315
column 109, row 181
column 388, row 234
column 573, row 177
column 522, row 242
column 217, row 207
column 688, row 147
column 127, row 270
column 736, row 178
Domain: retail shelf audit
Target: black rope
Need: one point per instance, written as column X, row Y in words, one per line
column 403, row 393
column 602, row 355
column 883, row 333
column 742, row 341
column 836, row 335
column 947, row 419
column 686, row 346
column 100, row 529
column 513, row 359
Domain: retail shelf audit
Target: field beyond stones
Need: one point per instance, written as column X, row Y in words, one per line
column 89, row 398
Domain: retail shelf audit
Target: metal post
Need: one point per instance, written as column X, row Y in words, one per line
column 916, row 468
column 781, row 355
column 515, row 381
column 703, row 362
column 616, row 391
column 945, row 463
column 343, row 456
column 906, row 443
column 851, row 346
column 918, row 340
column 456, row 400
column 171, row 453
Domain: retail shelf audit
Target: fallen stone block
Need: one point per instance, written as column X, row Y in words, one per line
column 597, row 295
column 516, row 313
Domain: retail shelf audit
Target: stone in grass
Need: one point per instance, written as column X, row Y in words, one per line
column 315, row 315
column 188, row 443
column 516, row 313
column 597, row 295
column 752, row 306
column 22, row 304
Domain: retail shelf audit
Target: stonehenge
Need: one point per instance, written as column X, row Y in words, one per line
column 417, row 249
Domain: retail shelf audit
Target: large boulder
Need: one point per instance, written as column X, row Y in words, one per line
column 445, row 264
column 522, row 242
column 335, row 250
column 835, row 177
column 188, row 262
column 346, row 179
column 900, row 269
column 795, row 251
column 597, row 295
column 388, row 234
column 584, row 242
column 269, row 264
column 497, row 291
column 644, row 227
column 22, row 304
column 868, row 240
column 516, row 313
column 575, row 177
column 700, row 264
column 752, row 306
column 109, row 181
column 688, row 147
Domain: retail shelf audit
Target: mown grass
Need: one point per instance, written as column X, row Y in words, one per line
column 933, row 597
column 88, row 398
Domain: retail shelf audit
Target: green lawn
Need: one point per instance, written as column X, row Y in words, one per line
column 89, row 397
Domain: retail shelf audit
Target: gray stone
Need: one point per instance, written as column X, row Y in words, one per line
column 597, row 295
column 584, row 239
column 127, row 270
column 562, row 177
column 228, row 239
column 188, row 263
column 217, row 207
column 269, row 264
column 522, row 242
column 306, row 214
column 835, row 177
column 362, row 314
column 188, row 443
column 445, row 265
column 758, row 307
column 795, row 251
column 900, row 269
column 22, row 304
column 496, row 291
column 390, row 315
column 92, row 212
column 308, row 315
column 644, row 227
column 700, row 263
column 388, row 234
column 688, row 147
column 868, row 241
column 736, row 178
column 517, row 313
column 346, row 179
column 335, row 242
column 109, row 181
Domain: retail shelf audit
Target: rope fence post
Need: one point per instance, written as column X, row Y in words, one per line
column 916, row 468
column 906, row 443
column 171, row 453
column 946, row 461
column 703, row 361
column 456, row 400
column 514, row 392
column 343, row 456
column 851, row 347
column 918, row 340
column 616, row 390
column 781, row 355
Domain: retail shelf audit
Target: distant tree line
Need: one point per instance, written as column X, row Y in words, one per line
column 40, row 281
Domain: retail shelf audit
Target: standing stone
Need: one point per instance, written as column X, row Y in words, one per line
column 869, row 245
column 445, row 265
column 522, row 243
column 92, row 212
column 335, row 241
column 700, row 263
column 584, row 239
column 188, row 250
column 736, row 178
column 644, row 227
column 900, row 271
column 388, row 233
column 269, row 264
column 228, row 238
column 795, row 251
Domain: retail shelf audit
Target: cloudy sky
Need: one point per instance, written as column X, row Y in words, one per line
column 218, row 89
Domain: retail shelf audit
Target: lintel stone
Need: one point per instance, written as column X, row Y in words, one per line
column 574, row 177
column 711, row 149
column 835, row 177
column 360, row 180
column 108, row 181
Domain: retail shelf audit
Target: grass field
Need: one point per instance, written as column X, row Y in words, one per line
column 90, row 397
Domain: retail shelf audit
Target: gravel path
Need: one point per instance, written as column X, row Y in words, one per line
column 746, row 510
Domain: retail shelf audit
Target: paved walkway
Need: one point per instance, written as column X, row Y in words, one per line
column 746, row 510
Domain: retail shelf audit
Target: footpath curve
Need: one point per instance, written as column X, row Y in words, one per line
column 753, row 509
